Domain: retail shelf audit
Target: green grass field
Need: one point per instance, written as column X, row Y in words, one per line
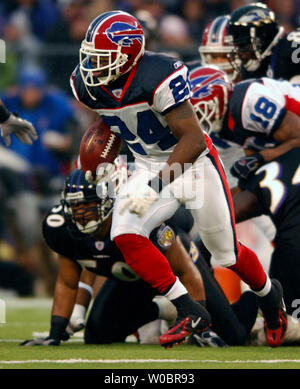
column 25, row 318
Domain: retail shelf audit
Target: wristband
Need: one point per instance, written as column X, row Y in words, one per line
column 85, row 286
column 4, row 113
column 156, row 184
column 58, row 326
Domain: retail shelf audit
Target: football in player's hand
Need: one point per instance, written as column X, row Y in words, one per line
column 98, row 145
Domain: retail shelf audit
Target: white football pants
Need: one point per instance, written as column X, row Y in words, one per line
column 202, row 188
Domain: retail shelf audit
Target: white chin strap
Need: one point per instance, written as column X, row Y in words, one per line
column 253, row 64
column 89, row 228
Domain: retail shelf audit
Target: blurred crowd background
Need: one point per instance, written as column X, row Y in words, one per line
column 42, row 40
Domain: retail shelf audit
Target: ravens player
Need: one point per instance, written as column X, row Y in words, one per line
column 274, row 190
column 78, row 230
column 262, row 46
column 11, row 124
column 154, row 116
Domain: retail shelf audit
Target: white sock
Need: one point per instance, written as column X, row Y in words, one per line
column 177, row 290
column 265, row 290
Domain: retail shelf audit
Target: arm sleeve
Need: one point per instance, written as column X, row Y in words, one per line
column 172, row 91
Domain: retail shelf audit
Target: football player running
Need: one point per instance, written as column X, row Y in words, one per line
column 261, row 46
column 78, row 231
column 144, row 98
column 12, row 124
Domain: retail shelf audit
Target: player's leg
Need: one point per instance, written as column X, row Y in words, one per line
column 119, row 309
column 216, row 224
column 232, row 322
column 130, row 233
column 285, row 266
column 225, row 321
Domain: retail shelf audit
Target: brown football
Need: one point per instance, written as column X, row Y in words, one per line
column 98, row 145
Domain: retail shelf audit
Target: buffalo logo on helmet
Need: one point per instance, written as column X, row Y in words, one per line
column 201, row 84
column 125, row 33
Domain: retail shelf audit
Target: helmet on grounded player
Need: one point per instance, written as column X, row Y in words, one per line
column 86, row 206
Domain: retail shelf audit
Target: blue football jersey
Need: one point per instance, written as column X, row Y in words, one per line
column 134, row 105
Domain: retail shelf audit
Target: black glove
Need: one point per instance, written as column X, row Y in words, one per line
column 57, row 333
column 41, row 342
column 245, row 165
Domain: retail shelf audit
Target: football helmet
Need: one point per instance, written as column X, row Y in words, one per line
column 255, row 31
column 217, row 42
column 113, row 45
column 86, row 206
column 211, row 91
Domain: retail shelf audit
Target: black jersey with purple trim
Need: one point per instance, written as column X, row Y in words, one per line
column 135, row 104
column 277, row 187
column 256, row 110
column 283, row 63
column 100, row 256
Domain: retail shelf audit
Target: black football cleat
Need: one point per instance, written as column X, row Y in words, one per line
column 275, row 316
column 182, row 330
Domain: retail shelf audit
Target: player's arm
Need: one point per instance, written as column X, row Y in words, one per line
column 183, row 123
column 11, row 124
column 288, row 135
column 246, row 206
column 83, row 298
column 184, row 268
column 63, row 303
column 66, row 287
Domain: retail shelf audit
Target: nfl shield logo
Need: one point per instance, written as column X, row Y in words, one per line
column 99, row 245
